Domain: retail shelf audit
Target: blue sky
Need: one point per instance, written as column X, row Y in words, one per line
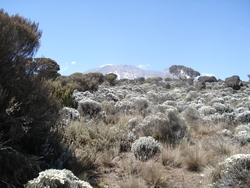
column 210, row 36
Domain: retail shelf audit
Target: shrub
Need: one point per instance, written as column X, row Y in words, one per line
column 168, row 127
column 57, row 178
column 233, row 172
column 153, row 80
column 89, row 107
column 207, row 110
column 63, row 93
column 28, row 111
column 86, row 82
column 110, row 79
column 69, row 114
column 242, row 136
column 191, row 114
column 191, row 96
column 145, row 148
column 243, row 117
column 82, row 95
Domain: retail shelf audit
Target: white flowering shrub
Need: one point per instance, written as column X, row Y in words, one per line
column 207, row 110
column 225, row 132
column 69, row 114
column 233, row 172
column 243, row 117
column 242, row 134
column 78, row 95
column 146, row 148
column 222, row 108
column 125, row 106
column 57, row 178
column 191, row 96
column 217, row 100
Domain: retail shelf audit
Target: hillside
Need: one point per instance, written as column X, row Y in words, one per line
column 130, row 72
column 197, row 128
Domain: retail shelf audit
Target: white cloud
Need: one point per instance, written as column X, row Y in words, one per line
column 141, row 66
column 73, row 62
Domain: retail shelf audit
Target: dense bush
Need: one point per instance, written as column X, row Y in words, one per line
column 69, row 114
column 169, row 127
column 233, row 172
column 191, row 115
column 82, row 82
column 153, row 80
column 89, row 107
column 64, row 93
column 28, row 111
column 57, row 178
column 145, row 148
column 110, row 79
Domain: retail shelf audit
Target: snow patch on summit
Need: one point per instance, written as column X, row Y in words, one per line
column 106, row 65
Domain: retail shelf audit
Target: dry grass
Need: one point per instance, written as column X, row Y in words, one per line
column 130, row 166
column 152, row 173
column 83, row 160
column 107, row 156
column 183, row 162
column 132, row 182
column 171, row 156
column 196, row 159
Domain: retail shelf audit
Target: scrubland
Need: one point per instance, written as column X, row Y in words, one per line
column 160, row 133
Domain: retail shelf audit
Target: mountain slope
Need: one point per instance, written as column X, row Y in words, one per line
column 130, row 72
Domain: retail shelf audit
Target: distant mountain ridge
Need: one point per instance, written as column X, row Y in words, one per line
column 131, row 72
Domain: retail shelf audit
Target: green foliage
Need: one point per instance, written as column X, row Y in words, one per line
column 47, row 68
column 82, row 82
column 153, row 80
column 111, row 79
column 28, row 111
column 63, row 93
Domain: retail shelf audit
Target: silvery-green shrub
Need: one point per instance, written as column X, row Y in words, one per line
column 191, row 96
column 145, row 148
column 191, row 114
column 243, row 117
column 233, row 172
column 167, row 127
column 57, row 178
column 141, row 103
column 207, row 110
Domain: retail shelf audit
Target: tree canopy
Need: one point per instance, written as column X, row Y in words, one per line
column 27, row 108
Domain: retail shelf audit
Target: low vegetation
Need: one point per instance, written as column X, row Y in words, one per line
column 130, row 133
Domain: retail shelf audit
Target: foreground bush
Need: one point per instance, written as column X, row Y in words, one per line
column 57, row 178
column 28, row 111
column 146, row 148
column 233, row 172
